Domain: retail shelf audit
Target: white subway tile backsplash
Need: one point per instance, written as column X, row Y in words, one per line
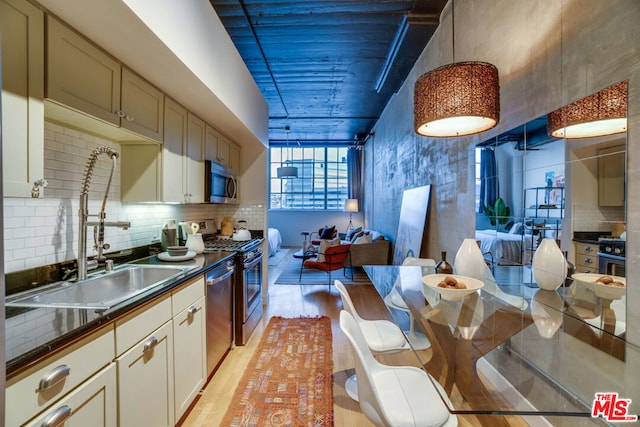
column 44, row 231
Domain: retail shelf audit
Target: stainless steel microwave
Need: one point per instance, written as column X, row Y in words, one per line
column 221, row 183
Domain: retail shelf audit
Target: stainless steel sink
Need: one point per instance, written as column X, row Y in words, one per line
column 102, row 291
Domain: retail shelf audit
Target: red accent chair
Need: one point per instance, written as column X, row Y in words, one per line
column 335, row 258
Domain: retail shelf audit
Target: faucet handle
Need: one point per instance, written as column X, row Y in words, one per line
column 108, row 265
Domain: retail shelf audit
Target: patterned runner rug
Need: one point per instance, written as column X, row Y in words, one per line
column 291, row 275
column 289, row 381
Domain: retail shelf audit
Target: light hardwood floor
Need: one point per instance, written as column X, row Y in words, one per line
column 294, row 301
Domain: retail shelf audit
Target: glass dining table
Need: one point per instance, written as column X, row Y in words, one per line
column 512, row 348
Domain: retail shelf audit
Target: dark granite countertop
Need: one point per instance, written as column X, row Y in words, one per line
column 31, row 334
column 590, row 236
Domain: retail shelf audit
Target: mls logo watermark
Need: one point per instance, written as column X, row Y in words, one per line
column 612, row 408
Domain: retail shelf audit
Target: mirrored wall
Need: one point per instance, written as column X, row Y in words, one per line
column 531, row 185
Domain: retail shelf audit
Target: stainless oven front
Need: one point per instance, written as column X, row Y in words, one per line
column 249, row 298
column 612, row 265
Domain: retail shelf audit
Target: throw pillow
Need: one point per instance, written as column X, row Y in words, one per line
column 517, row 228
column 324, row 245
column 351, row 232
column 327, row 232
column 356, row 235
column 363, row 239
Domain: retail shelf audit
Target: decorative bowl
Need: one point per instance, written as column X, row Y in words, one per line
column 177, row 250
column 601, row 290
column 431, row 282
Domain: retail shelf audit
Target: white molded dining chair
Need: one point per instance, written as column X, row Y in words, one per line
column 382, row 336
column 418, row 340
column 396, row 396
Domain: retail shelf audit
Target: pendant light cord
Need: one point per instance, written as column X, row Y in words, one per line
column 453, row 31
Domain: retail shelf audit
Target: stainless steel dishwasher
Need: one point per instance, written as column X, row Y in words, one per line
column 219, row 292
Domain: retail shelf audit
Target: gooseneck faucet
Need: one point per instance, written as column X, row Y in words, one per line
column 83, row 212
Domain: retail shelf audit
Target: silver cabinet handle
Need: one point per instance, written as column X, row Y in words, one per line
column 192, row 311
column 588, row 249
column 57, row 417
column 588, row 261
column 150, row 344
column 53, row 377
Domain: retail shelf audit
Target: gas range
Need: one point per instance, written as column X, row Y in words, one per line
column 214, row 244
column 612, row 247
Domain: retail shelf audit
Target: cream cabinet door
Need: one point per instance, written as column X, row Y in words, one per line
column 189, row 345
column 211, row 144
column 234, row 157
column 224, row 151
column 175, row 139
column 22, row 34
column 611, row 173
column 80, row 75
column 91, row 404
column 194, row 162
column 142, row 106
column 145, row 381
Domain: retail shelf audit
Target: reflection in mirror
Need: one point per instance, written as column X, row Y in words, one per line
column 530, row 186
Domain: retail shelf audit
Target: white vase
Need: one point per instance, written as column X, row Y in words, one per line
column 549, row 265
column 546, row 310
column 195, row 243
column 469, row 260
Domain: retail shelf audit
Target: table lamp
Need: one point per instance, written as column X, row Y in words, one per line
column 350, row 205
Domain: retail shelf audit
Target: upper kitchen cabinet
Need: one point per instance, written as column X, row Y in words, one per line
column 173, row 172
column 86, row 79
column 611, row 173
column 22, row 34
column 220, row 150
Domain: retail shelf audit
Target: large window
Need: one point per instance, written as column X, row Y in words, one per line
column 322, row 178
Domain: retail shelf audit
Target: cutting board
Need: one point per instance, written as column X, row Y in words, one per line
column 226, row 226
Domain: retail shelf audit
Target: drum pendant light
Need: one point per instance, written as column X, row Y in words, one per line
column 457, row 99
column 287, row 171
column 603, row 113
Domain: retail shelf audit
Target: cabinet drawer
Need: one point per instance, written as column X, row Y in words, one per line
column 91, row 404
column 586, row 268
column 71, row 366
column 140, row 323
column 187, row 294
column 586, row 248
column 590, row 261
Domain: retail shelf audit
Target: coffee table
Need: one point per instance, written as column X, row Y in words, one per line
column 303, row 255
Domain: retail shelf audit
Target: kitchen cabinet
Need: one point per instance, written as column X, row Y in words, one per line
column 173, row 172
column 586, row 257
column 88, row 80
column 611, row 172
column 194, row 160
column 54, row 377
column 228, row 153
column 91, row 404
column 189, row 335
column 144, row 348
column 22, row 35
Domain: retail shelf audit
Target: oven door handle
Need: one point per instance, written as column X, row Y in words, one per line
column 253, row 262
column 216, row 280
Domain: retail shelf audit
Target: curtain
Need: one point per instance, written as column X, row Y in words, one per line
column 354, row 177
column 488, row 178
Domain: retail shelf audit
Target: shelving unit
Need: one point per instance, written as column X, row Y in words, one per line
column 544, row 211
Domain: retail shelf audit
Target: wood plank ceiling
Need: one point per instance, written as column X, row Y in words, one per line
column 327, row 68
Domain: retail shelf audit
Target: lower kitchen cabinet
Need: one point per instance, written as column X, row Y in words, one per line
column 586, row 257
column 92, row 404
column 145, row 381
column 38, row 391
column 189, row 350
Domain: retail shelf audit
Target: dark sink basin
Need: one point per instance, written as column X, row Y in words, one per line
column 100, row 292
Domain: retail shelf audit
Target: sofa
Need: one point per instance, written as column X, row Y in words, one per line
column 368, row 247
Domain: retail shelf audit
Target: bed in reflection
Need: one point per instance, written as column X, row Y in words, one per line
column 505, row 248
column 274, row 241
